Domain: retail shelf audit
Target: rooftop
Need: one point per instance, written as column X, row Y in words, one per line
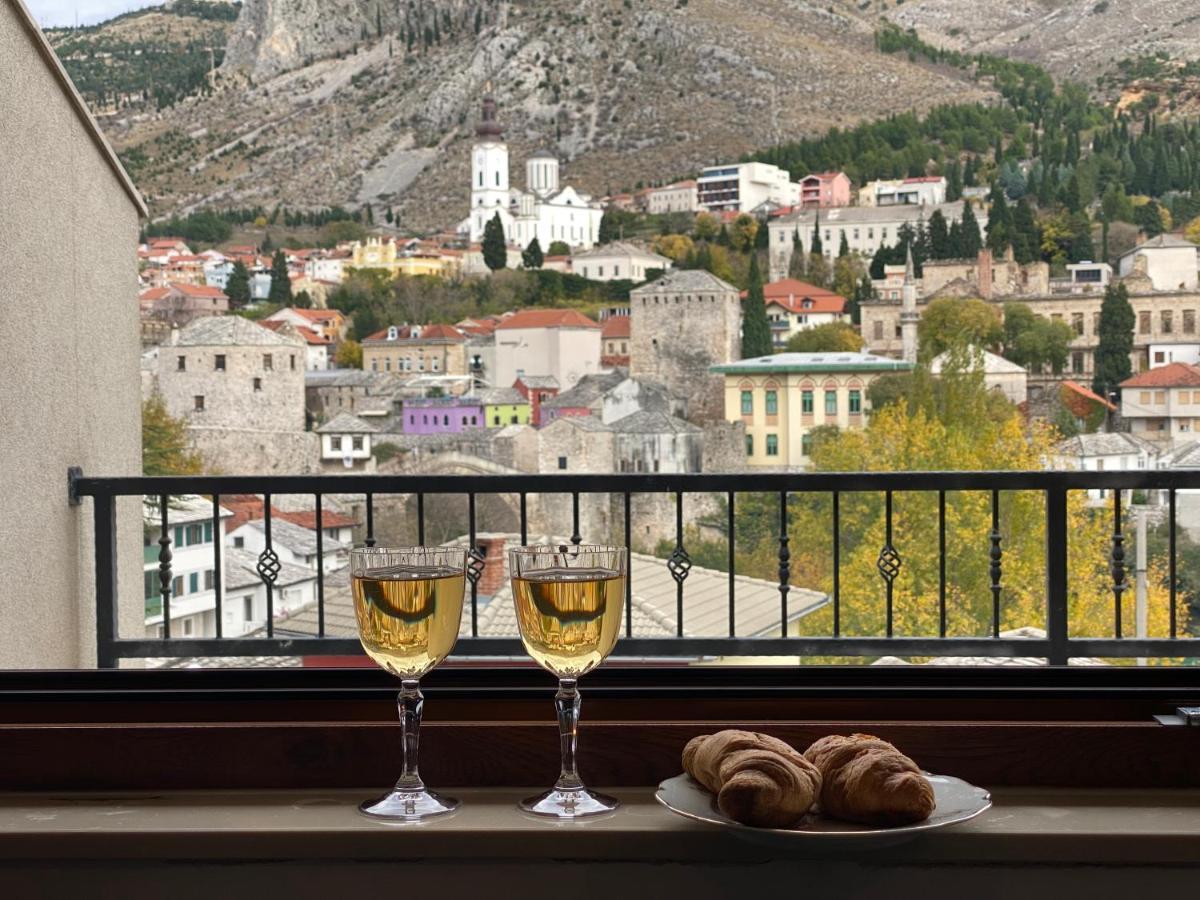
column 501, row 396
column 814, row 362
column 539, row 381
column 992, row 363
column 646, row 421
column 615, row 327
column 301, row 541
column 346, row 423
column 232, row 331
column 867, row 215
column 1110, row 443
column 547, row 318
column 1175, row 374
column 683, row 280
column 241, row 568
column 418, row 333
column 587, row 390
column 1163, row 241
column 621, row 248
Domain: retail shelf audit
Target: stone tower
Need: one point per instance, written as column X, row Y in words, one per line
column 489, row 170
column 909, row 317
column 680, row 325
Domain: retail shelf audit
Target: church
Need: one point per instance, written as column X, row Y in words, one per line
column 543, row 210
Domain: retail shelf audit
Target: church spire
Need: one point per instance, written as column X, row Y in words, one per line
column 489, row 126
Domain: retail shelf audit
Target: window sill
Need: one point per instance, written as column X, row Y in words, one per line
column 1025, row 827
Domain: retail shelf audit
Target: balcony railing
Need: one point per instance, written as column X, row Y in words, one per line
column 1057, row 647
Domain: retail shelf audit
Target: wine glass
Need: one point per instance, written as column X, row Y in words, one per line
column 408, row 602
column 568, row 601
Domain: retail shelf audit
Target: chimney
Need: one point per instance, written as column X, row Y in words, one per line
column 494, row 575
column 985, row 273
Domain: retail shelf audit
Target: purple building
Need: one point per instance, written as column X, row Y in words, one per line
column 441, row 415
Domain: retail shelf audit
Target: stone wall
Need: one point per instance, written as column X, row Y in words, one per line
column 253, row 451
column 724, row 447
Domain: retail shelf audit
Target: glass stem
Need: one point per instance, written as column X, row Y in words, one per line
column 567, row 702
column 410, row 702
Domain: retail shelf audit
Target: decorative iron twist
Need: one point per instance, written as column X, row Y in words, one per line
column 996, row 567
column 268, row 566
column 475, row 565
column 889, row 563
column 679, row 564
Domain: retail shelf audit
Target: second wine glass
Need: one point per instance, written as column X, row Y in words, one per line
column 568, row 601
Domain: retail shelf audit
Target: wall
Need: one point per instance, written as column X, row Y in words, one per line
column 566, row 353
column 1169, row 268
column 252, row 451
column 69, row 383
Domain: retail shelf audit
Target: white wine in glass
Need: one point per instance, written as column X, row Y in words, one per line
column 408, row 602
column 568, row 601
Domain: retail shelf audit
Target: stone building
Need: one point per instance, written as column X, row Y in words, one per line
column 333, row 391
column 1168, row 261
column 984, row 277
column 240, row 389
column 346, row 444
column 681, row 325
column 647, row 441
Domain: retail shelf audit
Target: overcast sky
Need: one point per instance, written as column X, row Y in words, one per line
column 50, row 13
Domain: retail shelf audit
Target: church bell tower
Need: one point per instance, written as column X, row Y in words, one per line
column 489, row 169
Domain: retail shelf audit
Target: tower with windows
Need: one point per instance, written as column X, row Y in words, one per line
column 489, row 171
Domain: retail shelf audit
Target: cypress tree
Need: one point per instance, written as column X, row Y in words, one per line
column 999, row 234
column 971, row 242
column 796, row 263
column 281, row 284
column 1026, row 239
column 237, row 288
column 532, row 256
column 939, row 236
column 843, row 246
column 756, row 330
column 608, row 229
column 495, row 253
column 723, row 237
column 1116, row 340
column 816, row 241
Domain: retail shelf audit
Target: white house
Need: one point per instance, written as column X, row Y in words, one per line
column 193, row 535
column 544, row 210
column 217, row 269
column 618, row 260
column 562, row 343
column 681, row 196
column 1163, row 404
column 260, row 285
column 999, row 374
column 327, row 266
column 244, row 607
column 794, row 306
column 923, row 191
column 743, row 187
column 1104, row 452
column 1168, row 261
column 292, row 543
column 346, row 443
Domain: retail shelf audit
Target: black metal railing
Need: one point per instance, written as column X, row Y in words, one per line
column 1058, row 646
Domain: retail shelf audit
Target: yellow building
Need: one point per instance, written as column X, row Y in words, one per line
column 505, row 406
column 782, row 398
column 418, row 350
column 410, row 259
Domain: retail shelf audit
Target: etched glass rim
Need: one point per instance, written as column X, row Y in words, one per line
column 540, row 555
column 362, row 558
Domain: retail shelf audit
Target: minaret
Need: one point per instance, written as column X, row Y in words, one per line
column 489, row 168
column 909, row 317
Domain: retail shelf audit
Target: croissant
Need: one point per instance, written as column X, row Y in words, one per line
column 759, row 780
column 865, row 779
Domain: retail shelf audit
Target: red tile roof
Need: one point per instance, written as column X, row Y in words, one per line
column 792, row 294
column 154, row 293
column 1171, row 375
column 199, row 290
column 1077, row 388
column 923, row 179
column 547, row 318
column 615, row 327
column 249, row 507
column 305, row 332
column 427, row 333
column 314, row 315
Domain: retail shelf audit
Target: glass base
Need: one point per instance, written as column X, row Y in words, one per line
column 408, row 806
column 556, row 804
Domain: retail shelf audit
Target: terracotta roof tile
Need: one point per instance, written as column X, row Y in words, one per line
column 615, row 327
column 427, row 333
column 547, row 318
column 1172, row 375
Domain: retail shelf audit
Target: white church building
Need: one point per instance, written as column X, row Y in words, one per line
column 544, row 210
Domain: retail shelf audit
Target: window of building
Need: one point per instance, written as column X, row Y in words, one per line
column 356, row 443
column 247, row 608
column 219, row 362
column 1167, row 320
column 1095, row 323
column 209, row 579
column 187, row 627
column 831, row 403
column 195, row 534
column 747, row 403
column 374, row 365
column 1077, row 323
column 1189, row 321
column 1144, row 397
column 806, row 402
column 1077, row 363
column 878, row 329
column 772, row 445
column 1160, row 397
column 292, row 360
column 496, row 419
column 258, row 384
column 474, row 420
column 177, row 586
column 855, row 402
column 335, row 443
column 239, row 542
column 198, row 403
column 1159, row 357
column 208, row 532
column 445, row 420
column 562, row 462
column 772, row 403
column 194, row 583
column 1144, row 322
column 268, row 362
column 806, row 444
column 464, row 420
column 749, row 445
column 181, row 363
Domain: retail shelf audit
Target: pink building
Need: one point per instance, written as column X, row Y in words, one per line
column 822, row 190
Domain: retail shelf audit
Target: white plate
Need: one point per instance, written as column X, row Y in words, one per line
column 956, row 801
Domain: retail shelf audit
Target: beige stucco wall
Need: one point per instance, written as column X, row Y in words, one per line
column 69, row 381
column 566, row 353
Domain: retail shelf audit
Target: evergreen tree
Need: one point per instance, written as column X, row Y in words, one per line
column 843, row 246
column 954, row 241
column 608, row 228
column 389, row 216
column 817, row 249
column 302, row 300
column 954, row 184
column 370, row 215
column 281, row 284
column 1026, row 240
column 756, row 330
column 267, row 245
column 999, row 222
column 723, row 237
column 971, row 241
column 531, row 256
column 796, row 265
column 1081, row 244
column 495, row 253
column 939, row 236
column 1116, row 340
column 237, row 288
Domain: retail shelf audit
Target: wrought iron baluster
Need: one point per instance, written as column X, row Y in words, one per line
column 421, row 519
column 104, row 530
column 628, row 565
column 889, row 561
column 1056, row 575
column 785, row 568
column 837, row 565
column 1118, row 563
column 475, row 564
column 320, row 570
column 164, row 564
column 370, row 541
column 268, row 566
column 1171, row 557
column 217, row 583
column 679, row 564
column 941, row 563
column 576, row 538
column 732, row 566
column 995, row 569
column 525, row 521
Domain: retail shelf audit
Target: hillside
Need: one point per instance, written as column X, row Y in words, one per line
column 313, row 107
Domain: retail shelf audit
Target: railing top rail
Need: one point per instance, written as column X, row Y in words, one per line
column 742, row 482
